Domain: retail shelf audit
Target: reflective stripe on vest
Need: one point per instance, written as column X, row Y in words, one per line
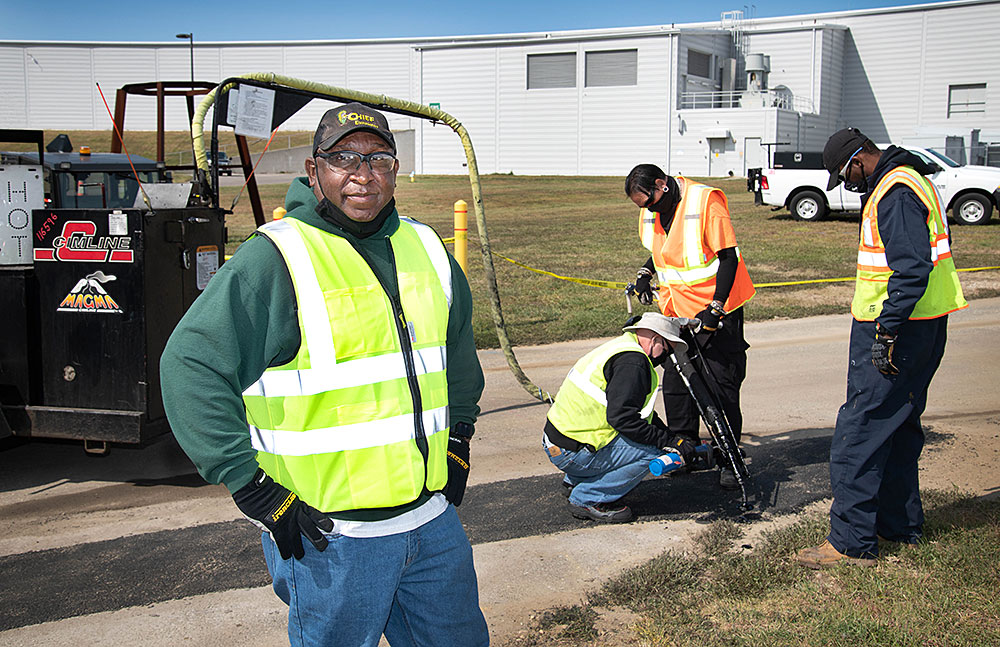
column 580, row 410
column 684, row 270
column 337, row 423
column 647, row 227
column 943, row 293
column 694, row 267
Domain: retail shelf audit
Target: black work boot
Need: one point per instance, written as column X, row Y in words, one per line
column 605, row 512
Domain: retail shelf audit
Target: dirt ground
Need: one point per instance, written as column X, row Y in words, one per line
column 795, row 384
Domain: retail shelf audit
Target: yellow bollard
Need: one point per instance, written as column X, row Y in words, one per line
column 461, row 233
column 278, row 213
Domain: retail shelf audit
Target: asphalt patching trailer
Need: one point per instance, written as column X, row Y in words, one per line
column 95, row 271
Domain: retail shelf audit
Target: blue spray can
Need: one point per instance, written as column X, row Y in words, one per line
column 666, row 463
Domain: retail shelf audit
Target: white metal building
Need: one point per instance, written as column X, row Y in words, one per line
column 702, row 99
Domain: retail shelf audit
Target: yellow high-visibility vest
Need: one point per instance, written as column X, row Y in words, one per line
column 580, row 410
column 359, row 417
column 943, row 293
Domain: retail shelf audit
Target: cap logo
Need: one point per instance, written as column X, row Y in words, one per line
column 358, row 118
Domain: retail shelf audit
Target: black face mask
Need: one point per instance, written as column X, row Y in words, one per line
column 660, row 359
column 332, row 214
column 857, row 187
column 669, row 200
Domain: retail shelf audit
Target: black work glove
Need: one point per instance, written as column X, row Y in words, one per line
column 885, row 341
column 643, row 289
column 283, row 514
column 458, row 461
column 458, row 469
column 683, row 446
column 710, row 317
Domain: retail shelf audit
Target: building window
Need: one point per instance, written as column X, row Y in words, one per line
column 615, row 67
column 551, row 71
column 966, row 99
column 699, row 64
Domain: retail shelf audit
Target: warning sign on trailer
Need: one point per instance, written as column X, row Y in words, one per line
column 21, row 190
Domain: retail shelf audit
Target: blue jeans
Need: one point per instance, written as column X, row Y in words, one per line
column 418, row 588
column 878, row 439
column 607, row 474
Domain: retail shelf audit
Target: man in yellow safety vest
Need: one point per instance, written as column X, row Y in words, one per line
column 602, row 431
column 906, row 286
column 328, row 377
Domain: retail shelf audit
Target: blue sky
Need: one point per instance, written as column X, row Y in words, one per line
column 212, row 20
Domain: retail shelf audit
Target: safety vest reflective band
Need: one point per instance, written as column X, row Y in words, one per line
column 647, row 227
column 686, row 267
column 943, row 293
column 343, row 423
column 580, row 410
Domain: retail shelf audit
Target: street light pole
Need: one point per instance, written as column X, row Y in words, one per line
column 190, row 37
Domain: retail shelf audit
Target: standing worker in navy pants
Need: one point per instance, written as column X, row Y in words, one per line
column 906, row 286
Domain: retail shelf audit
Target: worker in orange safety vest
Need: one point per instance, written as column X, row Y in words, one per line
column 701, row 274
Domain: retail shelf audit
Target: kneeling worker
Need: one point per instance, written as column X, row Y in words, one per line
column 602, row 430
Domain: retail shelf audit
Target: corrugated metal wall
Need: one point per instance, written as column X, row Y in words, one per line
column 884, row 71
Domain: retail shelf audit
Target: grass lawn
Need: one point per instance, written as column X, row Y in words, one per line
column 584, row 227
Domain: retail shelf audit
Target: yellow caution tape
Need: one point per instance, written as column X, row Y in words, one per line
column 614, row 285
column 617, row 285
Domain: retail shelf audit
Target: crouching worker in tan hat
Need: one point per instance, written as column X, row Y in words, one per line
column 602, row 431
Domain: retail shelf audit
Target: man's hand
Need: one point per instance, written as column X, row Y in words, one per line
column 885, row 341
column 643, row 290
column 283, row 514
column 458, row 469
column 711, row 316
column 683, row 446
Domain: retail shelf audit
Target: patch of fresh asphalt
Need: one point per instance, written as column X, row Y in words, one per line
column 47, row 585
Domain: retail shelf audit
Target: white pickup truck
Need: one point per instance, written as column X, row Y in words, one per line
column 969, row 192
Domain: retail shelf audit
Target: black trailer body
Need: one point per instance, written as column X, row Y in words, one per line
column 107, row 288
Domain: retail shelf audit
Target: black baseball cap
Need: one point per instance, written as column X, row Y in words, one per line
column 839, row 148
column 338, row 123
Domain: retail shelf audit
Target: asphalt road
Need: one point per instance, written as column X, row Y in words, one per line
column 136, row 541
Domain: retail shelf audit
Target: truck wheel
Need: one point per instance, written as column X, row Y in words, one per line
column 972, row 209
column 808, row 205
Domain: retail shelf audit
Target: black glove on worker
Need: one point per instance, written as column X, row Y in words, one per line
column 643, row 289
column 885, row 341
column 683, row 446
column 711, row 316
column 458, row 462
column 283, row 514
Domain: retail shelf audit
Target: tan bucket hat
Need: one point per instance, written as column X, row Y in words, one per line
column 667, row 327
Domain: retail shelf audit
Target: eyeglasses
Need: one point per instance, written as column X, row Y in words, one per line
column 652, row 198
column 843, row 170
column 350, row 161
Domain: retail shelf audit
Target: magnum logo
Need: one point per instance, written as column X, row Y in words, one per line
column 89, row 296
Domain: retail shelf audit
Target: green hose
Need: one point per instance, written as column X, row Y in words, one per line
column 417, row 110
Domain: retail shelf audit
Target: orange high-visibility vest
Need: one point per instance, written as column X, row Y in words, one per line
column 943, row 293
column 686, row 267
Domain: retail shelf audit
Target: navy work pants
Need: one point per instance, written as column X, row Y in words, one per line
column 725, row 353
column 878, row 439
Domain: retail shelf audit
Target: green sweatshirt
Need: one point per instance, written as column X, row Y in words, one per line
column 245, row 321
